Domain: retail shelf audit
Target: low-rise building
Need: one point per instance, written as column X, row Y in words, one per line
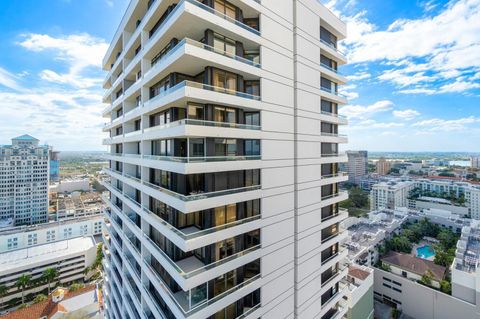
column 360, row 292
column 414, row 268
column 14, row 238
column 78, row 205
column 81, row 303
column 366, row 234
column 71, row 185
column 475, row 162
column 69, row 257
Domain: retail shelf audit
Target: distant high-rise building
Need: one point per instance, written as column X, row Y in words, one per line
column 223, row 181
column 475, row 161
column 24, row 178
column 382, row 166
column 357, row 166
column 54, row 166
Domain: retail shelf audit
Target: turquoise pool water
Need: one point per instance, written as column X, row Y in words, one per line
column 425, row 252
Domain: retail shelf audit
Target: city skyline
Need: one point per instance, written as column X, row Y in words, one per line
column 413, row 98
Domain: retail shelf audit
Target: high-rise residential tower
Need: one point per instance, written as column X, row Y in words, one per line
column 223, row 179
column 24, row 178
column 357, row 166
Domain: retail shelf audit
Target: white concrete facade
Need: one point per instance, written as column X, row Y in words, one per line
column 224, row 160
column 20, row 237
column 24, row 179
column 68, row 257
column 390, row 195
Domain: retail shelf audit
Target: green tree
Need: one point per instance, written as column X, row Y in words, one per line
column 446, row 287
column 39, row 298
column 49, row 275
column 22, row 282
column 427, row 278
column 3, row 292
column 76, row 286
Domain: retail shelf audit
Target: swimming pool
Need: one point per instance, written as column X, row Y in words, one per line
column 425, row 252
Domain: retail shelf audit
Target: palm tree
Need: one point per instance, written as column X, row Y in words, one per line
column 22, row 282
column 3, row 292
column 49, row 275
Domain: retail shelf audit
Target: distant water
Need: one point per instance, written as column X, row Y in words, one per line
column 459, row 163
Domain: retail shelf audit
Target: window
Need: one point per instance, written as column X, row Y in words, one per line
column 252, row 147
column 32, row 239
column 224, row 114
column 12, row 243
column 224, row 79
column 225, row 147
column 224, row 44
column 196, row 147
column 225, row 7
column 252, row 87
column 252, row 118
column 196, row 112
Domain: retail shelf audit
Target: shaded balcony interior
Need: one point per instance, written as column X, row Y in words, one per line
column 329, row 149
column 329, row 294
column 330, row 232
column 206, row 219
column 329, row 129
column 329, row 190
column 193, row 184
column 329, row 107
column 216, row 288
column 204, row 147
column 330, row 211
column 194, row 114
column 330, row 169
column 198, row 260
column 329, row 253
column 208, row 78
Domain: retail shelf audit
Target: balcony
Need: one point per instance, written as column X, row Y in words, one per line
column 194, row 300
column 194, row 232
column 192, row 266
column 339, row 194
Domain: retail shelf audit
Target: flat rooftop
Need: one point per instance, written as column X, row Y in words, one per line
column 22, row 258
column 468, row 248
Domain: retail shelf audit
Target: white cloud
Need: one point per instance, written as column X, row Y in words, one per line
column 418, row 91
column 440, row 47
column 459, row 86
column 369, row 124
column 79, row 52
column 9, row 80
column 442, row 125
column 347, row 91
column 406, row 114
column 363, row 112
column 359, row 76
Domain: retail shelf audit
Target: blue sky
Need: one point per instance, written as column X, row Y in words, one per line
column 414, row 72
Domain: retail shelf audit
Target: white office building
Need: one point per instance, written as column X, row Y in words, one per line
column 357, row 166
column 69, row 257
column 475, row 161
column 19, row 237
column 390, row 195
column 458, row 189
column 223, row 135
column 24, row 178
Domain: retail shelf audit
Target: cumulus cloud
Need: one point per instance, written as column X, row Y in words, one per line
column 363, row 112
column 423, row 51
column 78, row 51
column 443, row 125
column 406, row 114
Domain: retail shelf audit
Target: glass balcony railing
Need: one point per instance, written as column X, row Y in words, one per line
column 333, row 114
column 202, row 86
column 331, row 91
column 192, row 196
column 333, row 195
column 204, row 123
column 204, row 268
column 332, row 134
column 224, row 16
column 339, row 174
column 189, row 303
column 329, row 67
column 333, row 154
column 202, row 232
column 332, row 45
